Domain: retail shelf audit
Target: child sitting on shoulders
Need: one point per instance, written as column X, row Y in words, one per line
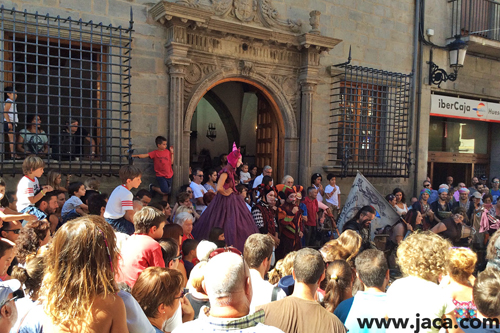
column 120, row 209
column 28, row 188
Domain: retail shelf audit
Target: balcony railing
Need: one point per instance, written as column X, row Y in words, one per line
column 479, row 18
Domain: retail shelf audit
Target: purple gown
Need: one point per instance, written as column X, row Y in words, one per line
column 229, row 213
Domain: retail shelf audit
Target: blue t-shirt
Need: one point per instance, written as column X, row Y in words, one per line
column 495, row 195
column 366, row 305
column 343, row 309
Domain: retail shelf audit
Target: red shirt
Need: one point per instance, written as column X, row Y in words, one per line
column 312, row 211
column 162, row 163
column 184, row 237
column 138, row 253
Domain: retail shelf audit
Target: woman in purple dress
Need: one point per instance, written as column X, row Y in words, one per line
column 228, row 210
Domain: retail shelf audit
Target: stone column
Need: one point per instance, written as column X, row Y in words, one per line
column 308, row 88
column 292, row 157
column 177, row 61
column 176, row 121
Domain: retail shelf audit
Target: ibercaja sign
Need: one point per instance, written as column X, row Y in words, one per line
column 462, row 108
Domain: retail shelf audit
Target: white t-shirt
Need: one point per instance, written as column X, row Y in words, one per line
column 262, row 291
column 334, row 199
column 12, row 112
column 26, row 188
column 366, row 305
column 198, row 192
column 120, row 200
column 70, row 204
column 244, row 176
column 258, row 180
column 410, row 296
column 173, row 322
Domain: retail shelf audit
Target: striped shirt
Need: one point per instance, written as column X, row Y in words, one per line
column 26, row 188
column 120, row 200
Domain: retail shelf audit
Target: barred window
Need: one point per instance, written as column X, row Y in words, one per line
column 360, row 127
column 65, row 87
column 370, row 124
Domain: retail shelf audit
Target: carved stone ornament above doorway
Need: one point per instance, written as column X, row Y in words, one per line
column 254, row 20
column 259, row 11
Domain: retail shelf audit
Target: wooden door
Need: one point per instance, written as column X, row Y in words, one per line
column 268, row 148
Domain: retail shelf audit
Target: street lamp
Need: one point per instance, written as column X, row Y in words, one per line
column 457, row 50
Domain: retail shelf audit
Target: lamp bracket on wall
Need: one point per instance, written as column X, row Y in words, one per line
column 438, row 75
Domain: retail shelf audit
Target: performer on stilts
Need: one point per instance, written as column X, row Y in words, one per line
column 227, row 210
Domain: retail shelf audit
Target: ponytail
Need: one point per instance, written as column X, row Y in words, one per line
column 340, row 276
column 31, row 276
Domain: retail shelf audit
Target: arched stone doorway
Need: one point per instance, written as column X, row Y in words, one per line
column 209, row 43
column 249, row 116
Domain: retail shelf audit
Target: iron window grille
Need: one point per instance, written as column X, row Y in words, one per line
column 65, row 71
column 370, row 122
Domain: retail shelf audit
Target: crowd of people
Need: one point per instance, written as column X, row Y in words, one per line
column 239, row 253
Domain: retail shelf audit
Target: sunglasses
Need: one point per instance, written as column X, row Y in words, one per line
column 16, row 231
column 224, row 249
column 15, row 296
column 427, row 185
column 178, row 257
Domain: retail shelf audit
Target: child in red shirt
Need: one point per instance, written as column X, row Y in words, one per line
column 162, row 162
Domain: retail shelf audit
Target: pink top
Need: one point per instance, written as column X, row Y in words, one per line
column 138, row 253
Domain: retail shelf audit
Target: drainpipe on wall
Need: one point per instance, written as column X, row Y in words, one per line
column 416, row 96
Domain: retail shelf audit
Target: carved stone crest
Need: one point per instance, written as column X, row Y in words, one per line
column 244, row 10
column 259, row 11
column 221, row 7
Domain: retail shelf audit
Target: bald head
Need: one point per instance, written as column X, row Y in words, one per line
column 225, row 274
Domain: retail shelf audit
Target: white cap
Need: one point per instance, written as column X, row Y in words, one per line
column 6, row 288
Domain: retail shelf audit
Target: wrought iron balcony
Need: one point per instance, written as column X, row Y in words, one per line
column 478, row 22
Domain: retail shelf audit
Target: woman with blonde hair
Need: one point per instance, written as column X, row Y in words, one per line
column 332, row 251
column 197, row 295
column 79, row 289
column 54, row 179
column 423, row 258
column 274, row 275
column 351, row 241
column 286, row 268
column 459, row 285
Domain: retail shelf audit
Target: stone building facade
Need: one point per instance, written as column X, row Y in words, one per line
column 285, row 52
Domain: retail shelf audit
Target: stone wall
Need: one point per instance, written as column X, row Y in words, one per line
column 379, row 31
column 478, row 79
